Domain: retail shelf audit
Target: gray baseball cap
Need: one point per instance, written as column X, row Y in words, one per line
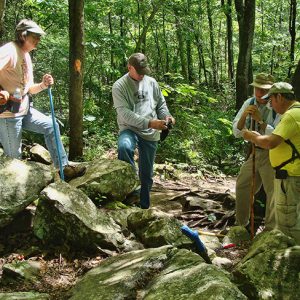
column 140, row 63
column 29, row 25
column 279, row 88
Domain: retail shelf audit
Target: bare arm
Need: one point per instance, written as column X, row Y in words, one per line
column 263, row 141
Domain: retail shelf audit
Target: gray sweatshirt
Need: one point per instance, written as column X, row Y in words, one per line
column 138, row 102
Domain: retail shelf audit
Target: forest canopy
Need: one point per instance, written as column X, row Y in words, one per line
column 195, row 49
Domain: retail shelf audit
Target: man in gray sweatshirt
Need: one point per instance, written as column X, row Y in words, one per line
column 141, row 113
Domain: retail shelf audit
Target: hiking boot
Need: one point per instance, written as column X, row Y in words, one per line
column 71, row 172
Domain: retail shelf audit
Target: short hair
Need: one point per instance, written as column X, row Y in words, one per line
column 287, row 96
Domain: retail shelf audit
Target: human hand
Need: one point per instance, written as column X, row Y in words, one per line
column 170, row 120
column 157, row 124
column 47, row 80
column 4, row 95
column 254, row 112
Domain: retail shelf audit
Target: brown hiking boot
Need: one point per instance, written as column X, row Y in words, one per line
column 71, row 172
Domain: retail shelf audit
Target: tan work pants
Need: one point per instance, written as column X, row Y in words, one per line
column 287, row 206
column 264, row 175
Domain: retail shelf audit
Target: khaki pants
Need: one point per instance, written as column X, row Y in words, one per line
column 287, row 206
column 264, row 175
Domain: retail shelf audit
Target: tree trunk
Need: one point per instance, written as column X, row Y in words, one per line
column 181, row 46
column 292, row 30
column 212, row 43
column 142, row 38
column 296, row 81
column 76, row 56
column 246, row 20
column 228, row 13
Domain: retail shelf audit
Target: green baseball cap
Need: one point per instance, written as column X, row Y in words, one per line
column 263, row 81
column 279, row 88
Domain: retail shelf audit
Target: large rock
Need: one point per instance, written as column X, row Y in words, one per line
column 155, row 228
column 20, row 184
column 24, row 296
column 271, row 269
column 66, row 216
column 113, row 179
column 160, row 273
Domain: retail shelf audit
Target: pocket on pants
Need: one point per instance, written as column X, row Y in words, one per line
column 286, row 215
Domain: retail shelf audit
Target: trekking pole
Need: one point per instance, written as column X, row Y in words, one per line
column 252, row 194
column 61, row 171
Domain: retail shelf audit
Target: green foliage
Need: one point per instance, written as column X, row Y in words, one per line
column 203, row 131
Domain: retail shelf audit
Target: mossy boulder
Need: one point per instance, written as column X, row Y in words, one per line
column 155, row 228
column 21, row 183
column 65, row 216
column 112, row 179
column 271, row 269
column 156, row 273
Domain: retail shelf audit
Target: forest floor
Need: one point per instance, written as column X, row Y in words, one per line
column 60, row 273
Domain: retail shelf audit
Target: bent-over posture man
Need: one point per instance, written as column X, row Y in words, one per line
column 141, row 112
column 284, row 145
column 16, row 74
column 265, row 118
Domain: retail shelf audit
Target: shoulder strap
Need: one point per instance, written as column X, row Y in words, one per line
column 295, row 153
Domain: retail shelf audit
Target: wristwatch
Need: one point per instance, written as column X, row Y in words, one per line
column 260, row 122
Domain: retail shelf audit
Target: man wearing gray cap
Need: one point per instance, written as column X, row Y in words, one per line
column 16, row 85
column 284, row 145
column 255, row 112
column 141, row 113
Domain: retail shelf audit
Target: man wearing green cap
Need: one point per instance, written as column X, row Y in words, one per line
column 284, row 145
column 256, row 114
column 16, row 86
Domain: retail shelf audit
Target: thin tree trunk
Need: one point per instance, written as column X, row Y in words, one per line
column 76, row 57
column 181, row 46
column 292, row 30
column 246, row 20
column 228, row 13
column 166, row 43
column 212, row 43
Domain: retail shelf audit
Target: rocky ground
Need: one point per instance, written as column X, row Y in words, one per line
column 60, row 272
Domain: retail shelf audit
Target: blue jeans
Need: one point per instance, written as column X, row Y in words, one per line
column 147, row 149
column 35, row 121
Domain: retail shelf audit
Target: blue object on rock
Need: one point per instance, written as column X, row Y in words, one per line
column 194, row 236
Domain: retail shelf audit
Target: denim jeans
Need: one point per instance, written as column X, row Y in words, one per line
column 128, row 140
column 35, row 121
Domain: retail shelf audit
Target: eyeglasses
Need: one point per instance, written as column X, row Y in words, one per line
column 35, row 36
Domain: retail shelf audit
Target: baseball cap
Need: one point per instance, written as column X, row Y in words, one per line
column 29, row 25
column 140, row 63
column 279, row 88
column 263, row 81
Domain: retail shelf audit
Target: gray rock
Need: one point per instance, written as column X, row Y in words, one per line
column 113, row 179
column 222, row 262
column 40, row 154
column 20, row 184
column 271, row 269
column 236, row 235
column 66, row 216
column 22, row 270
column 187, row 277
column 160, row 273
column 24, row 296
column 155, row 228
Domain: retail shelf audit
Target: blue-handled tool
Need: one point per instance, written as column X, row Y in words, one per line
column 194, row 236
column 61, row 171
